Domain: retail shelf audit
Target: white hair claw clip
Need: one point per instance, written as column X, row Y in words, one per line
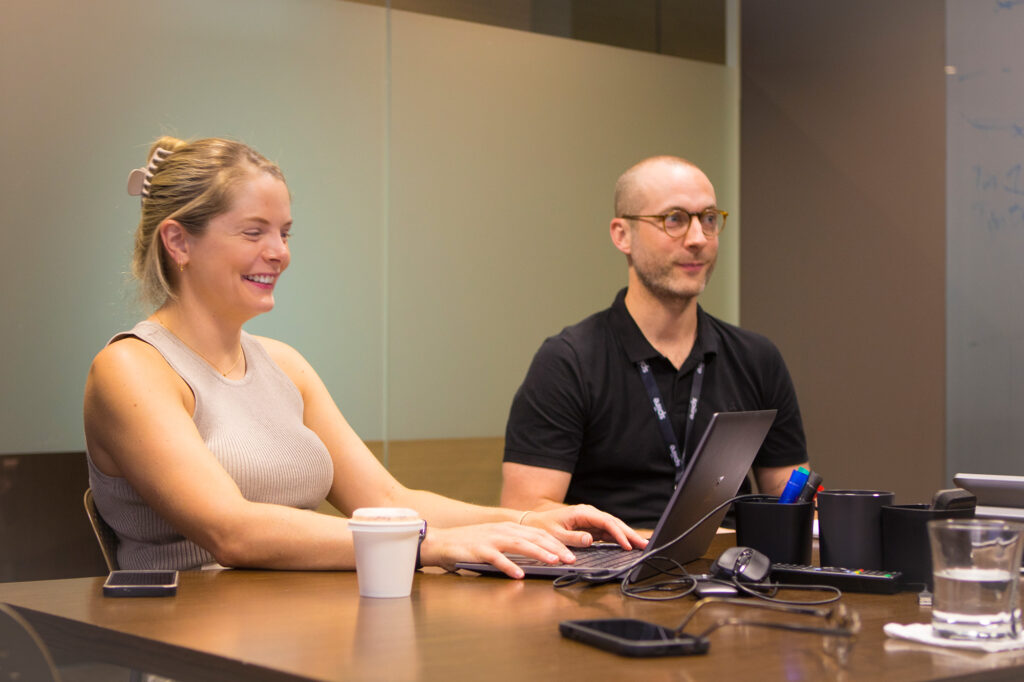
column 139, row 179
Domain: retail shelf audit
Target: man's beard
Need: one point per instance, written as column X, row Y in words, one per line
column 660, row 283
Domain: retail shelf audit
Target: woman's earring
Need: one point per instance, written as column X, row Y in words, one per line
column 181, row 266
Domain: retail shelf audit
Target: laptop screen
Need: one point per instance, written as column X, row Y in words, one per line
column 716, row 469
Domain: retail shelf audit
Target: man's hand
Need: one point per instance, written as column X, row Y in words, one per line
column 772, row 480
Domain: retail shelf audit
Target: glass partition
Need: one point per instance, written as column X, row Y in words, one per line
column 452, row 186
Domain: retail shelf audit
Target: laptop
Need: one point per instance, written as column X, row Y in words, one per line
column 714, row 474
column 1000, row 497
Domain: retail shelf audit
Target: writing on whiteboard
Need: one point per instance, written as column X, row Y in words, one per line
column 999, row 197
column 1015, row 128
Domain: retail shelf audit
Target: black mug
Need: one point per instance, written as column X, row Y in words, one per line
column 850, row 527
column 783, row 532
column 905, row 544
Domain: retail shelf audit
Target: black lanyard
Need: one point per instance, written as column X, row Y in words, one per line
column 664, row 423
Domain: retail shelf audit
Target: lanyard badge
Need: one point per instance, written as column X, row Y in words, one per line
column 677, row 456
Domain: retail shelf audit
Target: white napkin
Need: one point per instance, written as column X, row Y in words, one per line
column 922, row 632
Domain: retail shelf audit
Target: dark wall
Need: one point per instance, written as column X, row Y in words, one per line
column 843, row 248
column 44, row 530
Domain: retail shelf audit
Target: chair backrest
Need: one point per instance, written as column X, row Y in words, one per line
column 105, row 535
column 23, row 655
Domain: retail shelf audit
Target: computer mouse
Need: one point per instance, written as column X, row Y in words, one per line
column 742, row 563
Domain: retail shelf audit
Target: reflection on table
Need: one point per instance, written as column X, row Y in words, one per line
column 267, row 625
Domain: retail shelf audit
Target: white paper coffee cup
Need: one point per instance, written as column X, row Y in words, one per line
column 386, row 540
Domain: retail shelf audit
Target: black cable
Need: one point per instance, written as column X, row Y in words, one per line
column 839, row 620
column 601, row 576
column 680, row 582
column 751, row 589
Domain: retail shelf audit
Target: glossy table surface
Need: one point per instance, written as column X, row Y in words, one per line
column 264, row 625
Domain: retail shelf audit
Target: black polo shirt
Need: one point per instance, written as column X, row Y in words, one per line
column 583, row 408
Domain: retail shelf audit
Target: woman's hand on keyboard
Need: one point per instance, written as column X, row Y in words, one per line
column 488, row 543
column 580, row 525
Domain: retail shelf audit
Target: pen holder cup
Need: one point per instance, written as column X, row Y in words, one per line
column 905, row 545
column 783, row 532
column 850, row 527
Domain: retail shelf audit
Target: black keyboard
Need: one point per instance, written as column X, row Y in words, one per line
column 592, row 557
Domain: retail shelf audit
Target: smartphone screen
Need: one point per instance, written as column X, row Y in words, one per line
column 631, row 637
column 142, row 583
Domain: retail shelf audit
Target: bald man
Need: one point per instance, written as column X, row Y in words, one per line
column 583, row 427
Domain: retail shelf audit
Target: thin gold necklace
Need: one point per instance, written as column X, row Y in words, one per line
column 241, row 353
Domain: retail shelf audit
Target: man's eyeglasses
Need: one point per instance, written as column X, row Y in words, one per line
column 676, row 223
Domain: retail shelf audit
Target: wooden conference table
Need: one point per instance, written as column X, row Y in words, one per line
column 267, row 625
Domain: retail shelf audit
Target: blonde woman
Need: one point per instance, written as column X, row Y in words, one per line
column 210, row 446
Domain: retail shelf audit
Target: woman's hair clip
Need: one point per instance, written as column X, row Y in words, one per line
column 139, row 179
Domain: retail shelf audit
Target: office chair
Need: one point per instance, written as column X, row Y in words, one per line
column 107, row 539
column 105, row 535
column 23, row 655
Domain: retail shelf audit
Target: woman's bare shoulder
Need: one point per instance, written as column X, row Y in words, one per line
column 125, row 354
column 130, row 391
column 129, row 365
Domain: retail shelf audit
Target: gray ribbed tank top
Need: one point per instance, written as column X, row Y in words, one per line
column 253, row 427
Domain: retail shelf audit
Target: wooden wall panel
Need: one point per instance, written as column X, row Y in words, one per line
column 44, row 531
column 467, row 469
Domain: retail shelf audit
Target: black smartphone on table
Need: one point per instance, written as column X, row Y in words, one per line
column 141, row 583
column 631, row 637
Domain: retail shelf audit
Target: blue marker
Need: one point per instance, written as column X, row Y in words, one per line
column 794, row 486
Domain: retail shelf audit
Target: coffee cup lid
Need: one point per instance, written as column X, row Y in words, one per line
column 384, row 515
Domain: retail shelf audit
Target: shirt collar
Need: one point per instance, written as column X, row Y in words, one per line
column 637, row 346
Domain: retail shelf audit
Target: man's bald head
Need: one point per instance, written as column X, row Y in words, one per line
column 630, row 188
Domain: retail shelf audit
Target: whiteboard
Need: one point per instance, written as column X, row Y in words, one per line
column 985, row 236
